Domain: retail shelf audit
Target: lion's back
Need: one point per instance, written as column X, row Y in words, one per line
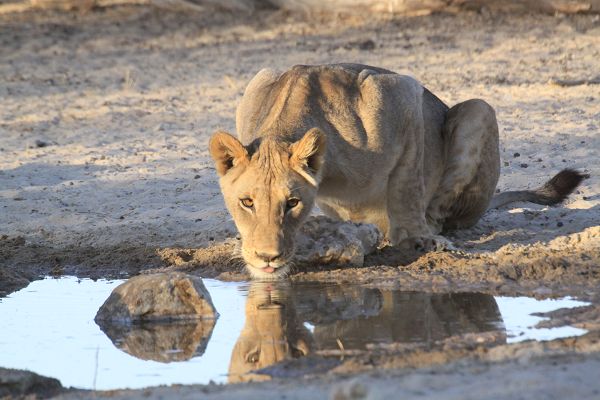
column 338, row 98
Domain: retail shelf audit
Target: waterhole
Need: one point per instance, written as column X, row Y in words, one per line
column 49, row 328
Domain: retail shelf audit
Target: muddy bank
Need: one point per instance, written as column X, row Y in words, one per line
column 501, row 372
column 567, row 265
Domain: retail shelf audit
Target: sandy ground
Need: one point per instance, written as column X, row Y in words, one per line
column 105, row 117
column 557, row 378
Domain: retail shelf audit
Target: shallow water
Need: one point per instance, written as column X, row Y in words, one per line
column 49, row 328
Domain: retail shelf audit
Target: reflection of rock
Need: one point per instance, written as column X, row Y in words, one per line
column 414, row 317
column 158, row 297
column 272, row 332
column 176, row 341
column 163, row 317
column 323, row 240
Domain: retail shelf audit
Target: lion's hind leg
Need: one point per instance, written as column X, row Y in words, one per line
column 472, row 166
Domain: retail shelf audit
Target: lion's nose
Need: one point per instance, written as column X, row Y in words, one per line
column 269, row 257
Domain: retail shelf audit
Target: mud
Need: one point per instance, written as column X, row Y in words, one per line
column 554, row 366
column 568, row 265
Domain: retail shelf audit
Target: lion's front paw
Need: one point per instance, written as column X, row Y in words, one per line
column 417, row 244
column 443, row 244
column 423, row 245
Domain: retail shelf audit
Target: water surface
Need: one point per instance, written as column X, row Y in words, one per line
column 49, row 328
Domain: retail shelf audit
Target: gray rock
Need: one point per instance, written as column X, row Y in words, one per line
column 158, row 297
column 15, row 383
column 41, row 143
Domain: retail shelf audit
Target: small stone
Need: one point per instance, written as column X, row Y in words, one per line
column 517, row 155
column 367, row 45
column 197, row 176
column 559, row 224
column 524, row 165
column 361, row 45
column 506, row 164
column 41, row 143
column 158, row 297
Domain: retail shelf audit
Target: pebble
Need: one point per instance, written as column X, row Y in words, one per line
column 41, row 143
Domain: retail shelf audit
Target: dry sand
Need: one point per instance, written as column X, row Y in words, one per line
column 105, row 117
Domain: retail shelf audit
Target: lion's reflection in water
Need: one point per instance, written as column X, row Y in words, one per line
column 273, row 332
column 350, row 316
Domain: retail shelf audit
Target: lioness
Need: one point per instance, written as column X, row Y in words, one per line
column 367, row 145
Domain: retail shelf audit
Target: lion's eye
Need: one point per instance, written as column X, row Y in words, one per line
column 291, row 203
column 253, row 357
column 248, row 203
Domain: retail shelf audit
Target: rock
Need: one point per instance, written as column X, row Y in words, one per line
column 176, row 341
column 158, row 297
column 323, row 240
column 11, row 281
column 18, row 384
column 361, row 45
column 41, row 143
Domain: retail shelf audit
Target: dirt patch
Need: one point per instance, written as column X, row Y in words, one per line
column 566, row 265
column 471, row 369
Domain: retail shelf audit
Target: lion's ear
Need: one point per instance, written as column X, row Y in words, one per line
column 308, row 155
column 227, row 151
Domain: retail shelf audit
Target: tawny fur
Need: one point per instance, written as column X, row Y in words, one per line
column 366, row 145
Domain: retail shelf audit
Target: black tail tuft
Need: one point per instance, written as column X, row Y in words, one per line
column 559, row 187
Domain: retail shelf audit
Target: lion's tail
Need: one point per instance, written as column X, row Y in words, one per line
column 552, row 192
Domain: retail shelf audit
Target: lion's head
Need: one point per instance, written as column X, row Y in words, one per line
column 272, row 332
column 269, row 188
